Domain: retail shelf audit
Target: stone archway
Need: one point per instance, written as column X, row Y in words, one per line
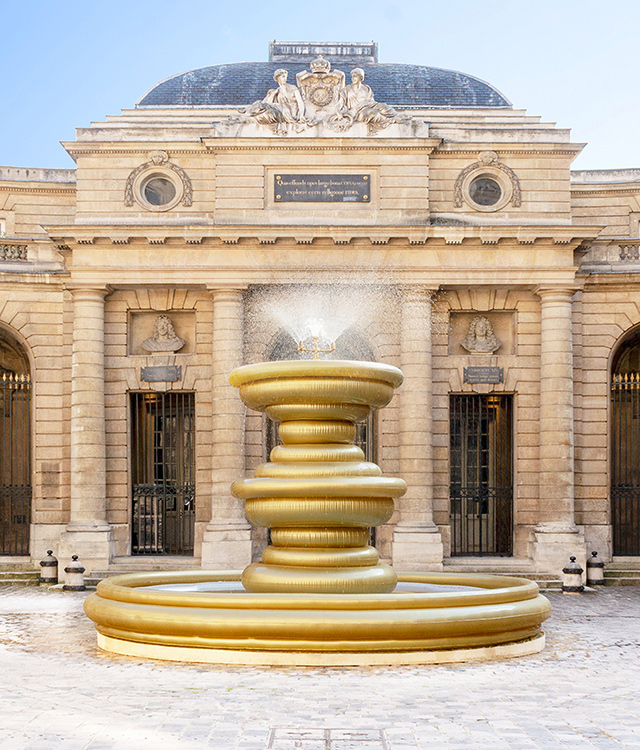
column 15, row 446
column 625, row 445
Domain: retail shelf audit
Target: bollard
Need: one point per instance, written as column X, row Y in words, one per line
column 595, row 571
column 49, row 569
column 572, row 581
column 75, row 576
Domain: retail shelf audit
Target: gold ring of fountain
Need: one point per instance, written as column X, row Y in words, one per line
column 499, row 617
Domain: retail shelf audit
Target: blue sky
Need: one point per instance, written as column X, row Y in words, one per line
column 65, row 63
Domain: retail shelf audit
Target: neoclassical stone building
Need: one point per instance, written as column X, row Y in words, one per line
column 402, row 213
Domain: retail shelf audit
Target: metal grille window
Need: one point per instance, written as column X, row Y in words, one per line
column 163, row 473
column 15, row 464
column 481, row 474
column 625, row 463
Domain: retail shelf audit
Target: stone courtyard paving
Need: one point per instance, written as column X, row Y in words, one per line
column 58, row 692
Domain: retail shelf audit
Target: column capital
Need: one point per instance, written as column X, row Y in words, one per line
column 230, row 291
column 559, row 293
column 89, row 291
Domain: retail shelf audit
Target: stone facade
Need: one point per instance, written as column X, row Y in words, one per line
column 174, row 211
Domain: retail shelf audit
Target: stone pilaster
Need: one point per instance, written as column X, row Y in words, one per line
column 417, row 544
column 556, row 536
column 88, row 533
column 227, row 538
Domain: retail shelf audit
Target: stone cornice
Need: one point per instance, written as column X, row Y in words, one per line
column 52, row 279
column 606, row 187
column 509, row 149
column 242, row 276
column 311, row 145
column 132, row 148
column 209, row 145
column 339, row 235
column 22, row 187
column 593, row 280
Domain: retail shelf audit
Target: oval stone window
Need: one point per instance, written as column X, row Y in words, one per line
column 158, row 190
column 485, row 191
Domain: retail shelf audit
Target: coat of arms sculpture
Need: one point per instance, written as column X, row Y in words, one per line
column 321, row 98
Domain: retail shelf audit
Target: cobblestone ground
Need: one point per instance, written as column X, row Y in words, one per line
column 58, row 692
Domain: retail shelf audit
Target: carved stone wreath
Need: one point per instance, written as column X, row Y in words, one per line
column 321, row 95
column 488, row 164
column 158, row 162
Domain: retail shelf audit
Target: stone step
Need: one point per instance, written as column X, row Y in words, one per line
column 123, row 565
column 517, row 568
column 20, row 577
column 19, row 565
column 627, row 581
column 616, row 572
column 624, row 563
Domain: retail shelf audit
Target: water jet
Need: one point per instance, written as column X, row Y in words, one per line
column 320, row 595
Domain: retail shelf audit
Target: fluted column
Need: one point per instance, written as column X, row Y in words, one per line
column 227, row 538
column 88, row 532
column 556, row 534
column 416, row 540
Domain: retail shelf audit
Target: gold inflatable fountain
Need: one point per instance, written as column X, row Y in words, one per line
column 320, row 595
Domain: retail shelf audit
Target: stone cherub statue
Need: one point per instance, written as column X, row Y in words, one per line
column 164, row 337
column 280, row 108
column 481, row 339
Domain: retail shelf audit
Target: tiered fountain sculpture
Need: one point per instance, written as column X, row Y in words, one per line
column 320, row 594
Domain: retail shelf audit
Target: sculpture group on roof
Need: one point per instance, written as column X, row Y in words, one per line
column 321, row 97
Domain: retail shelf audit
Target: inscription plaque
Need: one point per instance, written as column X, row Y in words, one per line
column 322, row 188
column 161, row 374
column 483, row 374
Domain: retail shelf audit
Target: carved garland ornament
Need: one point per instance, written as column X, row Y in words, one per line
column 158, row 159
column 488, row 161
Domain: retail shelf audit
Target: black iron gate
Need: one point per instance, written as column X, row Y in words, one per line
column 625, row 463
column 163, row 473
column 15, row 464
column 481, row 474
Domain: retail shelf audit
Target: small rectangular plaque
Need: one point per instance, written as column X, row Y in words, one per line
column 483, row 374
column 322, row 188
column 161, row 374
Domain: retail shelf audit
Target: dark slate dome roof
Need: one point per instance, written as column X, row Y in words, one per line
column 237, row 84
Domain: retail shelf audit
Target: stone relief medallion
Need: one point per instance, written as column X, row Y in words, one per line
column 481, row 339
column 487, row 185
column 158, row 184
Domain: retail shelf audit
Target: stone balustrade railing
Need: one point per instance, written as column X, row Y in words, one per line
column 609, row 254
column 12, row 250
column 630, row 249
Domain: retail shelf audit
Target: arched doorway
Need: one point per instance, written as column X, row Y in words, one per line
column 15, row 447
column 625, row 446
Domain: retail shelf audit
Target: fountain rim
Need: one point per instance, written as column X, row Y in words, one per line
column 494, row 589
column 332, row 630
column 316, row 368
